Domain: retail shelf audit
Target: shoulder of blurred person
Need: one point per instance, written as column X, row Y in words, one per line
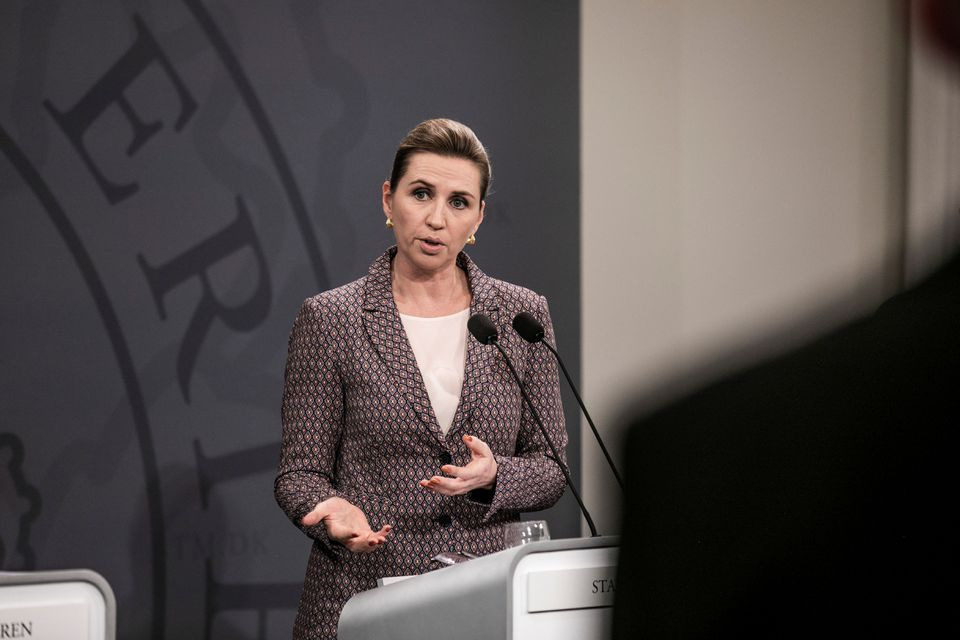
column 812, row 493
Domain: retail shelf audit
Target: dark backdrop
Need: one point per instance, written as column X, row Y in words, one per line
column 175, row 178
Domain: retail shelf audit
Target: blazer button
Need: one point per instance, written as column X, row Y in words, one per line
column 445, row 520
column 445, row 458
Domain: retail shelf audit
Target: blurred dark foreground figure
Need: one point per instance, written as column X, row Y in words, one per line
column 812, row 495
column 816, row 493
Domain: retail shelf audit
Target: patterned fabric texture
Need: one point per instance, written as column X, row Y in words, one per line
column 357, row 423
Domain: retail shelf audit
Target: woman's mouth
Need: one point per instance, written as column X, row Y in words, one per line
column 430, row 245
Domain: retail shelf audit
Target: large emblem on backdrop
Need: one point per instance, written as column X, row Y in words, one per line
column 175, row 239
column 21, row 502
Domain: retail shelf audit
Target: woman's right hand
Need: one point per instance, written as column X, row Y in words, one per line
column 347, row 525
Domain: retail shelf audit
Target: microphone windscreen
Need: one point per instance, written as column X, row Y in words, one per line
column 482, row 328
column 528, row 327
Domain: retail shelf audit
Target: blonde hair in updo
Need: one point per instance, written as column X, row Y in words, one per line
column 446, row 138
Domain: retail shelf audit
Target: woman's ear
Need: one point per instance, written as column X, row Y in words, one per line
column 387, row 203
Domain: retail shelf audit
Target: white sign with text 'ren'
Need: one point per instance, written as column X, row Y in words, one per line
column 56, row 611
column 56, row 621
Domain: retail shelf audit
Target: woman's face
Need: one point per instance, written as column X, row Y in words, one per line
column 434, row 208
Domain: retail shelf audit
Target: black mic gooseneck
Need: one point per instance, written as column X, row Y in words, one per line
column 531, row 330
column 485, row 332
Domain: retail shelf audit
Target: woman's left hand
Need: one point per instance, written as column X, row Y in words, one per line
column 480, row 472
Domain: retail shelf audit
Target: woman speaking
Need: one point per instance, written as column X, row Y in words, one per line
column 403, row 439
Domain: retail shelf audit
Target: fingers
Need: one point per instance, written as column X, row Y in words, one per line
column 331, row 507
column 462, row 480
column 362, row 544
column 456, row 472
column 483, row 465
column 346, row 524
column 447, row 486
column 314, row 517
column 369, row 542
column 477, row 446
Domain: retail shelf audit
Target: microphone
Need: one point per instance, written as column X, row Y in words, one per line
column 532, row 331
column 483, row 329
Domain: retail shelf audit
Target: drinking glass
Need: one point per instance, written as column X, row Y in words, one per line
column 518, row 533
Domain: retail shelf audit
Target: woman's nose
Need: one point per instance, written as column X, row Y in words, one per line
column 436, row 219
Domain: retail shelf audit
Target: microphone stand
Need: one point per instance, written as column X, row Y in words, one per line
column 586, row 413
column 536, row 418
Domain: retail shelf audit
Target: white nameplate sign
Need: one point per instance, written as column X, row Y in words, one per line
column 57, row 621
column 571, row 589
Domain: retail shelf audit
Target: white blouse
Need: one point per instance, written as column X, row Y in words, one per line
column 440, row 346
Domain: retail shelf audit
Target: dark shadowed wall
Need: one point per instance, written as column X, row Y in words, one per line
column 175, row 178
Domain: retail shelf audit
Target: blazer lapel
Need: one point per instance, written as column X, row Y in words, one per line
column 480, row 358
column 382, row 324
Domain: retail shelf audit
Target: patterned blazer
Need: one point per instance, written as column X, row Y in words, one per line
column 358, row 423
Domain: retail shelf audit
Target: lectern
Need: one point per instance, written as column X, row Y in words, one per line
column 76, row 604
column 555, row 589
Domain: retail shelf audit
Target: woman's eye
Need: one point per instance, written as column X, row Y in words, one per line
column 421, row 194
column 458, row 203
